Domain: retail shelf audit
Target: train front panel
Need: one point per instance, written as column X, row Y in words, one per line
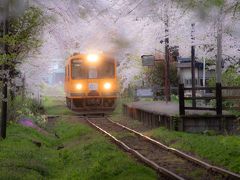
column 91, row 83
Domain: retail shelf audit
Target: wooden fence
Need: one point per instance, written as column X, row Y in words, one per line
column 218, row 96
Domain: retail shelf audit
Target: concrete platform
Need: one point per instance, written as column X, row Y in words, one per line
column 159, row 113
column 169, row 108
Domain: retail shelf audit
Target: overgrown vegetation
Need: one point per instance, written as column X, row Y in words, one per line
column 23, row 37
column 26, row 108
column 217, row 149
column 155, row 75
column 230, row 77
column 86, row 155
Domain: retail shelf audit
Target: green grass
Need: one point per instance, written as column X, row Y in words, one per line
column 235, row 112
column 86, row 155
column 54, row 106
column 217, row 149
column 119, row 103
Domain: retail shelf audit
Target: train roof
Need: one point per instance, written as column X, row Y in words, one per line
column 83, row 56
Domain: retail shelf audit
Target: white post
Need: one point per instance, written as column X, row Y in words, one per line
column 204, row 72
column 204, row 75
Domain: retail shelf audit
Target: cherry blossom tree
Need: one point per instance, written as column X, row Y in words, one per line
column 133, row 27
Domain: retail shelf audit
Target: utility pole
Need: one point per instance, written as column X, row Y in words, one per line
column 167, row 66
column 219, row 65
column 193, row 66
column 4, row 79
column 219, row 50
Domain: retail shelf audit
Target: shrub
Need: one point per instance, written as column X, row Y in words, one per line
column 26, row 108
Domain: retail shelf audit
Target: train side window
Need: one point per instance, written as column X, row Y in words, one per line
column 65, row 72
column 68, row 72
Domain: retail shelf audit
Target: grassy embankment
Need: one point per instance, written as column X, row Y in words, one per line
column 56, row 106
column 85, row 154
column 221, row 150
column 217, row 149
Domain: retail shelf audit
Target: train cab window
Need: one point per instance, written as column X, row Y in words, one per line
column 92, row 73
column 78, row 69
column 107, row 69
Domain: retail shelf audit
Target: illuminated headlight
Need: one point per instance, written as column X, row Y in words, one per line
column 107, row 86
column 92, row 58
column 79, row 86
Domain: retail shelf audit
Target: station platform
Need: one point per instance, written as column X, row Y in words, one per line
column 170, row 108
column 160, row 113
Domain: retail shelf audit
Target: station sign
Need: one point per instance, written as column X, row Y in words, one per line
column 148, row 60
column 18, row 82
column 145, row 92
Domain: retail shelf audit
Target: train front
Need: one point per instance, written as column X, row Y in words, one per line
column 91, row 83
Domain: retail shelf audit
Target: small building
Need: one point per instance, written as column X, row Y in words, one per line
column 185, row 73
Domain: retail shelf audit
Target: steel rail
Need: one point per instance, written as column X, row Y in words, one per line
column 182, row 154
column 163, row 171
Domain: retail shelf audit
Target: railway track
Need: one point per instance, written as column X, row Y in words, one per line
column 168, row 162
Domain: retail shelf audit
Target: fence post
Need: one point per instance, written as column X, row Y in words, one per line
column 181, row 99
column 218, row 98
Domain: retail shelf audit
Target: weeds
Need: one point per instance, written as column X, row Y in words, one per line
column 86, row 155
column 26, row 108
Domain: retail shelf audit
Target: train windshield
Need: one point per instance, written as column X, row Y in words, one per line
column 106, row 69
column 81, row 71
column 78, row 70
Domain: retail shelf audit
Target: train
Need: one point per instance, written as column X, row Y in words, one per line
column 91, row 83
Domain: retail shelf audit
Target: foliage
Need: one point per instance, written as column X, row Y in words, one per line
column 219, row 150
column 229, row 78
column 23, row 36
column 211, row 4
column 155, row 75
column 130, row 72
column 26, row 108
column 86, row 155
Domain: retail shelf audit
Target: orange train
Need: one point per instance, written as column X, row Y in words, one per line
column 91, row 83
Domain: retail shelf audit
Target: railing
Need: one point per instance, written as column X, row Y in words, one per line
column 218, row 97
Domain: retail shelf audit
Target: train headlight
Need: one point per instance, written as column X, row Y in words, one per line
column 79, row 86
column 92, row 58
column 107, row 86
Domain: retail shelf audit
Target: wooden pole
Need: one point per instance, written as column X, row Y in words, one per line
column 167, row 65
column 218, row 98
column 5, row 82
column 219, row 50
column 193, row 66
column 181, row 99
